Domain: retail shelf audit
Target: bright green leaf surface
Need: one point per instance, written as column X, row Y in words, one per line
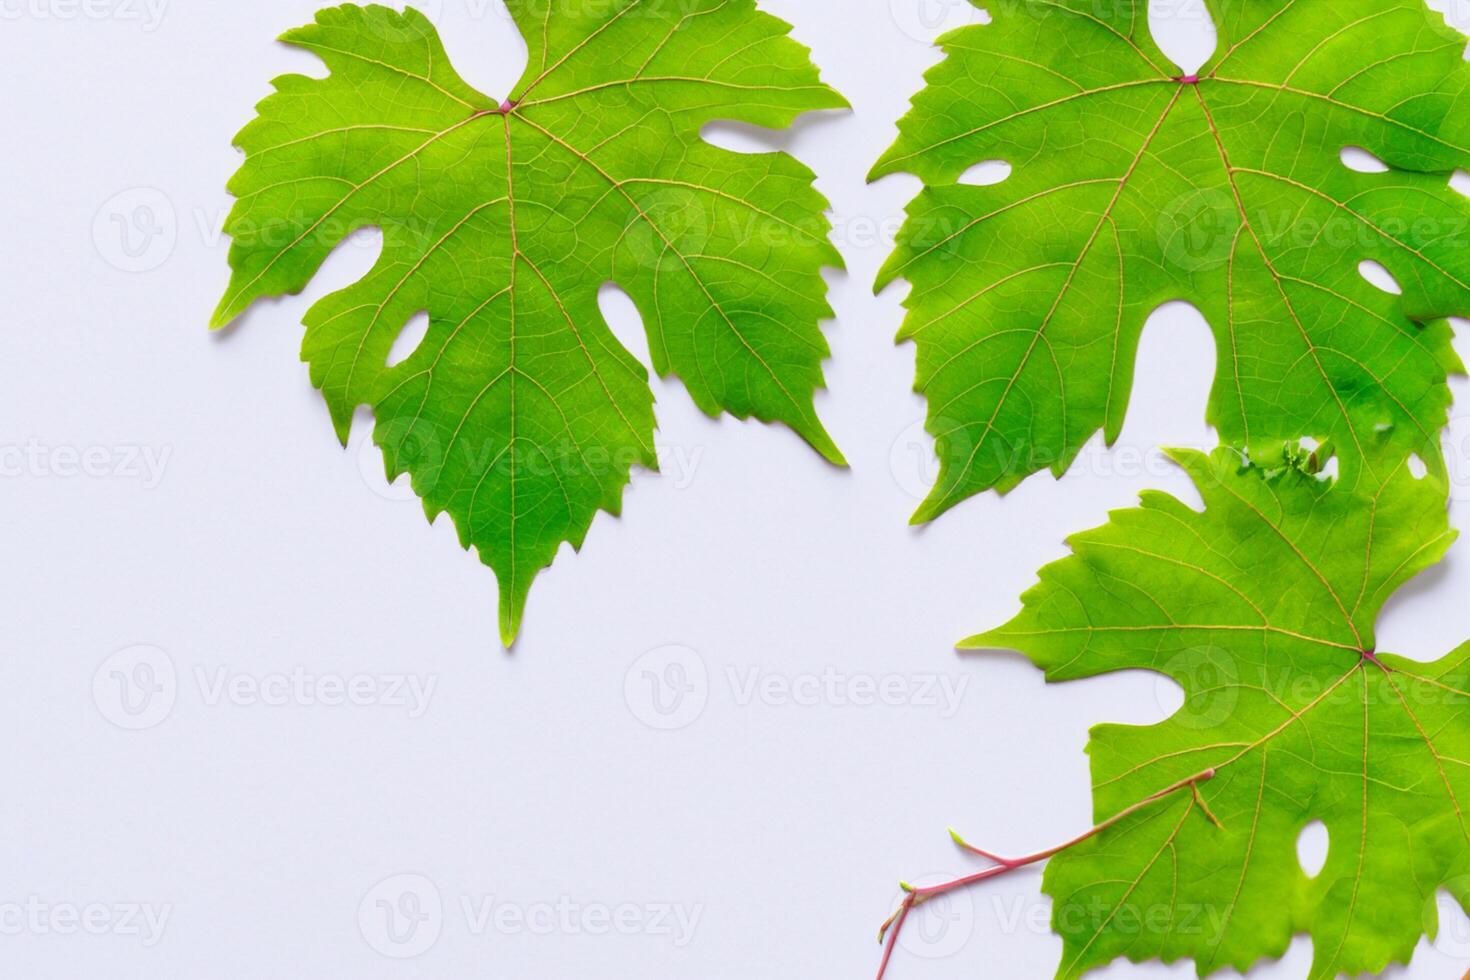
column 520, row 414
column 1262, row 608
column 1133, row 186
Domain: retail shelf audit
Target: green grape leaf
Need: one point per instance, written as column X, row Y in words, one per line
column 1133, row 184
column 520, row 414
column 1262, row 607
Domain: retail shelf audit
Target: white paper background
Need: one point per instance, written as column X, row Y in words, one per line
column 558, row 788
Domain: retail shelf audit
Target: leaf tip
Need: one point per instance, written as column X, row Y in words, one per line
column 224, row 314
column 510, row 627
column 934, row 506
column 822, row 442
column 887, row 275
column 884, row 166
column 512, row 607
column 836, row 100
column 980, row 641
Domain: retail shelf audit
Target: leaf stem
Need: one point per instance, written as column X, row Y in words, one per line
column 889, row 932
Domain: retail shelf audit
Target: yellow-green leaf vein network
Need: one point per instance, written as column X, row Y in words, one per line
column 520, row 414
column 1262, row 607
column 1133, row 184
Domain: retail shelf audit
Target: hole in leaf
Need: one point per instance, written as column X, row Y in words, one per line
column 1359, row 159
column 1417, row 467
column 623, row 320
column 1460, row 181
column 1169, row 693
column 409, row 338
column 748, row 138
column 739, row 137
column 985, row 173
column 1311, row 847
column 1309, row 444
column 1328, row 472
column 1376, row 274
column 1175, row 366
column 1184, row 31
